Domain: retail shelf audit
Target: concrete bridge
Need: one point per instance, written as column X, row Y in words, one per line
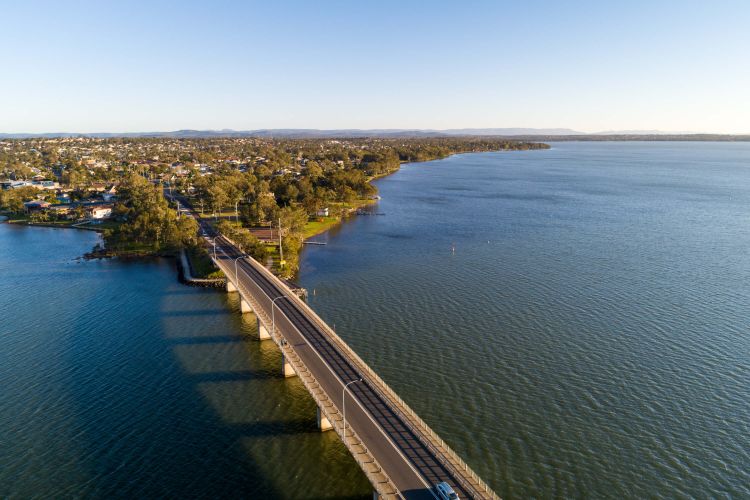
column 400, row 455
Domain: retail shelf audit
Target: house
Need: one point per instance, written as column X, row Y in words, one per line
column 178, row 168
column 61, row 210
column 46, row 185
column 100, row 212
column 110, row 194
column 35, row 206
column 19, row 184
column 323, row 212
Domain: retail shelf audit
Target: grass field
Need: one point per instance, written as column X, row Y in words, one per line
column 319, row 225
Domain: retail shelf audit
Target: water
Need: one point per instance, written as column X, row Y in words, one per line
column 117, row 381
column 588, row 338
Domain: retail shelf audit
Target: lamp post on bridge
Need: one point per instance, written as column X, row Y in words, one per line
column 235, row 268
column 343, row 401
column 273, row 317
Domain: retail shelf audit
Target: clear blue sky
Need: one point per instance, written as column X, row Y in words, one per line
column 591, row 66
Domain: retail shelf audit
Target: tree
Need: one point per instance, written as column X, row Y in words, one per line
column 314, row 170
column 217, row 198
column 243, row 238
column 148, row 219
column 293, row 220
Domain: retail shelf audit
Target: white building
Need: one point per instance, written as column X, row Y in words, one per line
column 101, row 212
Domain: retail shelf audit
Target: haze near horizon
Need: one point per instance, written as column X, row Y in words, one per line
column 160, row 66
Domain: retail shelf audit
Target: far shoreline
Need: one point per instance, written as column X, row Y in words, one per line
column 372, row 179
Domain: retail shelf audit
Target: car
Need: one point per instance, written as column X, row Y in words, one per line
column 445, row 491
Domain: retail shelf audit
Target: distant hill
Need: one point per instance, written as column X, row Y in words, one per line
column 511, row 131
column 301, row 133
column 526, row 134
column 642, row 132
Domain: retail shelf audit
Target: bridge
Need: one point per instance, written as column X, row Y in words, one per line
column 398, row 452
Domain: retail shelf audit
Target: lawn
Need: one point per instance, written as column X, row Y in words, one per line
column 107, row 224
column 319, row 225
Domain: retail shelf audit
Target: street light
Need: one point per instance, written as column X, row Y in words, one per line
column 343, row 401
column 235, row 269
column 273, row 318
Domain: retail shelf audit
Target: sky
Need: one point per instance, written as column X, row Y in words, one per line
column 113, row 66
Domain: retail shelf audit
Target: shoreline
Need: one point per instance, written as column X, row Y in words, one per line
column 187, row 278
column 50, row 225
column 357, row 207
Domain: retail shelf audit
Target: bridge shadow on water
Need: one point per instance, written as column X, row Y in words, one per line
column 179, row 405
column 212, row 339
column 193, row 314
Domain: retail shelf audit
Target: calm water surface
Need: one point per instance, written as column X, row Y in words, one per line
column 119, row 382
column 588, row 338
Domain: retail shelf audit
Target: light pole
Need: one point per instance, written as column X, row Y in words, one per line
column 273, row 318
column 343, row 402
column 214, row 242
column 235, row 269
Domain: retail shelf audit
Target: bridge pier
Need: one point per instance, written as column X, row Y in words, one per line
column 245, row 307
column 262, row 332
column 323, row 423
column 230, row 287
column 286, row 368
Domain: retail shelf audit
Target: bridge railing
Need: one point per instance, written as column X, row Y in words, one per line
column 461, row 469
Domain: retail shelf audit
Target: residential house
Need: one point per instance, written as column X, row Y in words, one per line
column 100, row 212
column 110, row 194
column 35, row 206
column 46, row 185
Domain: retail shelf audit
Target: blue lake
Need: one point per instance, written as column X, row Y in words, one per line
column 574, row 322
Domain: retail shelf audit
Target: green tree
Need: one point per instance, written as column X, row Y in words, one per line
column 148, row 219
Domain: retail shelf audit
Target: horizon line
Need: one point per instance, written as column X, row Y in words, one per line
column 488, row 131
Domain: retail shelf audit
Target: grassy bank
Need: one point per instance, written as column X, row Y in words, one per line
column 201, row 265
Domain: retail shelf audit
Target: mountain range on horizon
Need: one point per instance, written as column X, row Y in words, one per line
column 360, row 133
